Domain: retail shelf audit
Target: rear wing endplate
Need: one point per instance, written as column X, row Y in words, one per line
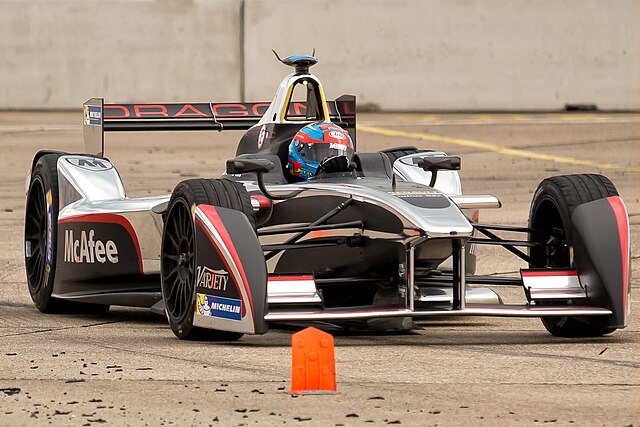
column 100, row 117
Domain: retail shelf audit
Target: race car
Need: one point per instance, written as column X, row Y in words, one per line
column 391, row 239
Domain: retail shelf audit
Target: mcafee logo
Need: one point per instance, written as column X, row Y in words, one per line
column 212, row 279
column 87, row 250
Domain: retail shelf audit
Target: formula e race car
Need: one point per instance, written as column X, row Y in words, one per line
column 390, row 240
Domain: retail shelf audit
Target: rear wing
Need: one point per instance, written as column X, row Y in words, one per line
column 100, row 117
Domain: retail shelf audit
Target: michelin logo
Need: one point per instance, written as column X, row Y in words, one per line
column 225, row 308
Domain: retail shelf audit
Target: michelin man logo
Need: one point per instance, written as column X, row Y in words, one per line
column 203, row 307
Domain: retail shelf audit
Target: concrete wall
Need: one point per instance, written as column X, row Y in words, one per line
column 397, row 55
column 443, row 54
column 58, row 53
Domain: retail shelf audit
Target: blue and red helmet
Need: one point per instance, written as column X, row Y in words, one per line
column 314, row 143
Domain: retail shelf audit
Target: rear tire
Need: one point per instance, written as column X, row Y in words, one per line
column 177, row 263
column 40, row 232
column 40, row 240
column 553, row 203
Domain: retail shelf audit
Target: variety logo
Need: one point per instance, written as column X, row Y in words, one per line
column 212, row 279
column 215, row 306
column 87, row 250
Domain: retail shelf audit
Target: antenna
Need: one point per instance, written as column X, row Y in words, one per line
column 277, row 56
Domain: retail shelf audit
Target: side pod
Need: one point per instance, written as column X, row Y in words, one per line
column 602, row 256
column 231, row 273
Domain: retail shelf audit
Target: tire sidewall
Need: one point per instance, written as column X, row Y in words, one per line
column 47, row 178
column 182, row 197
column 549, row 193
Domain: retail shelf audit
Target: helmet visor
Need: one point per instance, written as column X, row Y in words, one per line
column 318, row 152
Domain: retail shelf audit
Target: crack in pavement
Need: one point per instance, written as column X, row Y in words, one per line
column 242, row 366
column 39, row 331
column 527, row 354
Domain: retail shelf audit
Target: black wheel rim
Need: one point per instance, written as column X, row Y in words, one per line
column 554, row 250
column 178, row 259
column 35, row 237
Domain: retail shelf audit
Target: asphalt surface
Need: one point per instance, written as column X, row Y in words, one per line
column 126, row 367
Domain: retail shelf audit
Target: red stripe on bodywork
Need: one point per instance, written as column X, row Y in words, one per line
column 622, row 218
column 108, row 218
column 533, row 308
column 288, row 278
column 562, row 273
column 212, row 216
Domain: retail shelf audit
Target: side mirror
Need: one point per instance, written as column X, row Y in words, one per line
column 431, row 164
column 434, row 164
column 240, row 166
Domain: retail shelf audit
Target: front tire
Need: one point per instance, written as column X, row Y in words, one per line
column 553, row 203
column 177, row 263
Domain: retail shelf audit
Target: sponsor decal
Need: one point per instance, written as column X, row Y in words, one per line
column 263, row 133
column 86, row 250
column 424, row 199
column 202, row 305
column 49, row 255
column 416, row 194
column 337, row 146
column 217, row 110
column 212, row 279
column 408, row 196
column 337, row 135
column 89, row 163
column 93, row 115
column 215, row 306
column 304, row 172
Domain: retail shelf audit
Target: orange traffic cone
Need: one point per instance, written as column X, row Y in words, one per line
column 313, row 363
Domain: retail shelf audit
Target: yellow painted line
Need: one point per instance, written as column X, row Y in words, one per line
column 495, row 148
column 413, row 117
column 514, row 117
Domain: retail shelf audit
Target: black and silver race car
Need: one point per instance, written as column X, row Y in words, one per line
column 389, row 241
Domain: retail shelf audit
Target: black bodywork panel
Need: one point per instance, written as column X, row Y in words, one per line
column 599, row 235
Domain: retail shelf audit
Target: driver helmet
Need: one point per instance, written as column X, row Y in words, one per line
column 314, row 143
